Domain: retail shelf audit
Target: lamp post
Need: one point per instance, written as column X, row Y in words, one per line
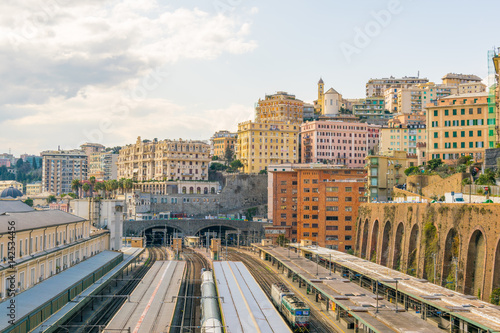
column 330, row 264
column 317, row 265
column 390, row 281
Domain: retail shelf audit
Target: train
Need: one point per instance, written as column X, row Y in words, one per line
column 211, row 321
column 293, row 309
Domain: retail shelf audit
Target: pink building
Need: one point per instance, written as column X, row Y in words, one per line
column 338, row 142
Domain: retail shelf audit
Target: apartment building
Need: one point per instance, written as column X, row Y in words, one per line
column 279, row 107
column 164, row 160
column 409, row 100
column 460, row 125
column 471, row 88
column 454, row 79
column 261, row 144
column 308, row 112
column 34, row 188
column 385, row 171
column 103, row 165
column 11, row 183
column 317, row 202
column 407, row 119
column 371, row 109
column 221, row 141
column 47, row 243
column 337, row 142
column 402, row 137
column 59, row 169
column 414, row 98
column 377, row 87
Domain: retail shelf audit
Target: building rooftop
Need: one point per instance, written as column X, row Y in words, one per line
column 14, row 206
column 470, row 77
column 36, row 219
column 11, row 192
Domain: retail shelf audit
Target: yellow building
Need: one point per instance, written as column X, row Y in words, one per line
column 164, row 160
column 33, row 189
column 386, row 171
column 221, row 141
column 280, row 107
column 457, row 126
column 8, row 183
column 405, row 138
column 261, row 144
column 46, row 243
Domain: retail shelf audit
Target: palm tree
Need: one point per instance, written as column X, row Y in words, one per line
column 75, row 185
column 99, row 186
column 92, row 183
column 128, row 184
column 86, row 188
column 112, row 185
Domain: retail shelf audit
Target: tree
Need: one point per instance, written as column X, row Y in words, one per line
column 487, row 178
column 236, row 164
column 228, row 155
column 112, row 186
column 51, row 198
column 282, row 240
column 215, row 158
column 72, row 195
column 99, row 186
column 75, row 185
column 465, row 160
column 434, row 163
column 495, row 296
column 413, row 170
column 216, row 166
column 86, row 187
column 128, row 184
column 29, row 202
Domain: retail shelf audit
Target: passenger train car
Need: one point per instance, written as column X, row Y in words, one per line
column 295, row 311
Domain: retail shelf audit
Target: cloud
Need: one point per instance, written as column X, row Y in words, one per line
column 66, row 64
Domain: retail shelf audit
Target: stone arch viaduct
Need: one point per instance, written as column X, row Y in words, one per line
column 454, row 245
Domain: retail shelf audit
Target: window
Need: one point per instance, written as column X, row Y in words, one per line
column 332, row 227
column 283, row 207
column 435, row 135
column 283, row 215
column 348, row 199
column 348, row 238
column 315, row 199
column 314, row 217
column 348, row 208
column 435, row 146
column 348, row 228
column 306, row 234
column 306, row 225
column 471, row 134
column 314, row 225
column 454, row 145
column 332, row 238
column 462, row 144
column 307, row 190
column 306, row 207
column 471, row 111
column 306, row 181
column 283, row 182
column 283, row 190
column 314, row 181
column 454, row 134
column 332, row 189
column 348, row 189
column 283, row 199
column 315, row 190
column 435, row 113
column 348, row 218
column 445, row 112
column 479, row 111
column 462, row 134
column 314, row 234
column 454, row 112
column 306, row 216
column 479, row 133
column 314, row 207
column 471, row 144
column 332, row 218
column 332, row 208
column 306, row 198
column 363, row 199
column 334, row 199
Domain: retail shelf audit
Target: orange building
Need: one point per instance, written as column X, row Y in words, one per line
column 280, row 107
column 319, row 202
column 221, row 141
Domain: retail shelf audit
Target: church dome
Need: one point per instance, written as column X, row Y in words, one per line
column 11, row 192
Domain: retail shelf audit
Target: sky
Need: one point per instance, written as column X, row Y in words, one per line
column 110, row 71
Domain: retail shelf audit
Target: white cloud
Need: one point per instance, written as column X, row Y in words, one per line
column 65, row 65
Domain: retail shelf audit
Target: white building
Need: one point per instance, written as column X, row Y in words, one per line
column 333, row 102
column 60, row 167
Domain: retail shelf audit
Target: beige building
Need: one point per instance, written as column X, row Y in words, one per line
column 407, row 119
column 471, row 88
column 33, row 189
column 60, row 167
column 261, row 144
column 280, row 107
column 385, row 171
column 403, row 137
column 10, row 183
column 460, row 125
column 454, row 79
column 377, row 87
column 409, row 100
column 103, row 165
column 164, row 160
column 46, row 243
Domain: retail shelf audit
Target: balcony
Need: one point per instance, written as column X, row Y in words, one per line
column 397, row 176
column 397, row 166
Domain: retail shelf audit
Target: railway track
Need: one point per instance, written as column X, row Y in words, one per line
column 106, row 308
column 265, row 278
column 187, row 312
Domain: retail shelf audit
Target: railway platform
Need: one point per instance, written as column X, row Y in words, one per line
column 130, row 255
column 345, row 301
column 151, row 306
column 244, row 306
